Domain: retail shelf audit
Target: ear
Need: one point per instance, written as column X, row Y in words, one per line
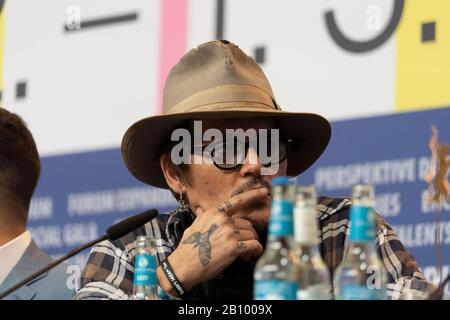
column 170, row 174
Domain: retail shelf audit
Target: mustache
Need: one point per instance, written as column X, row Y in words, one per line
column 250, row 184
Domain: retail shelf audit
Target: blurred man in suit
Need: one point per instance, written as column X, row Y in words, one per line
column 19, row 254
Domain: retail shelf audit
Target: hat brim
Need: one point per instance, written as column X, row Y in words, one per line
column 143, row 141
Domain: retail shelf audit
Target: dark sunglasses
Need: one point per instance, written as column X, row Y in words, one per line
column 229, row 155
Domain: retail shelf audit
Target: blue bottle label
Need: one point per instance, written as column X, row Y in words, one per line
column 145, row 270
column 275, row 290
column 356, row 292
column 362, row 225
column 281, row 218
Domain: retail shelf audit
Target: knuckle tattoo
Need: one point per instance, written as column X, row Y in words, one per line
column 241, row 245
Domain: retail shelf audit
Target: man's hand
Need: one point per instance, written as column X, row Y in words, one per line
column 216, row 238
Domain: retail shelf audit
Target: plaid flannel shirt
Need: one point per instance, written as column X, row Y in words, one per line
column 110, row 268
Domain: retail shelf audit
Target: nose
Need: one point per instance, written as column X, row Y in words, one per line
column 252, row 164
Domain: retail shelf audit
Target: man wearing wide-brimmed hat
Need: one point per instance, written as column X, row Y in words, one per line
column 210, row 243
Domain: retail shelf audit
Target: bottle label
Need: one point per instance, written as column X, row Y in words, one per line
column 281, row 218
column 305, row 226
column 275, row 290
column 145, row 270
column 362, row 226
column 320, row 293
column 356, row 292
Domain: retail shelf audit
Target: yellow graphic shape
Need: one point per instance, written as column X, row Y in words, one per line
column 423, row 68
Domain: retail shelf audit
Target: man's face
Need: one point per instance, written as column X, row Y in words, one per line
column 209, row 185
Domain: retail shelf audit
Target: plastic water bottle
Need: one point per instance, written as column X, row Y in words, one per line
column 274, row 272
column 361, row 275
column 145, row 283
column 313, row 275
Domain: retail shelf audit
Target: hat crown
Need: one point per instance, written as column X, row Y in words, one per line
column 212, row 64
column 218, row 80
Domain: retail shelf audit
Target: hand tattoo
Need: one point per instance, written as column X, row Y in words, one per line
column 241, row 245
column 224, row 207
column 201, row 240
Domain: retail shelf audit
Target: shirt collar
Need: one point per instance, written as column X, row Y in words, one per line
column 179, row 220
column 11, row 252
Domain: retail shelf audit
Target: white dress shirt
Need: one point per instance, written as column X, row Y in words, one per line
column 11, row 252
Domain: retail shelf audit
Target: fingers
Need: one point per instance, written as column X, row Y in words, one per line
column 230, row 206
column 238, row 202
column 241, row 223
column 249, row 248
column 242, row 235
column 199, row 212
column 244, row 224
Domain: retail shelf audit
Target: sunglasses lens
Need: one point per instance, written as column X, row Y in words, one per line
column 274, row 152
column 228, row 156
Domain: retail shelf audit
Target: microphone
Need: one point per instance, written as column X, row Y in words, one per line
column 127, row 225
column 114, row 232
column 438, row 294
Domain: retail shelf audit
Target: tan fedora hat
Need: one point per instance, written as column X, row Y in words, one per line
column 218, row 80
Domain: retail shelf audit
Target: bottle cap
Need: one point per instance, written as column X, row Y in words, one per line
column 280, row 180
